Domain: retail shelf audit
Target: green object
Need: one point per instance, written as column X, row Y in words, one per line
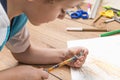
column 117, row 11
column 110, row 33
column 107, row 7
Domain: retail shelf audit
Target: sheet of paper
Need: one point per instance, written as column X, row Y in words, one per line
column 102, row 62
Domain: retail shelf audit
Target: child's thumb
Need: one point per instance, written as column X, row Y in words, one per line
column 44, row 74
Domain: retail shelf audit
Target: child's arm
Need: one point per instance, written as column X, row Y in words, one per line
column 23, row 73
column 36, row 55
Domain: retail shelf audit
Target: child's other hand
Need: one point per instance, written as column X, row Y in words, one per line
column 30, row 73
column 74, row 51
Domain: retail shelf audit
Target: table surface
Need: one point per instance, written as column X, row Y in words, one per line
column 54, row 35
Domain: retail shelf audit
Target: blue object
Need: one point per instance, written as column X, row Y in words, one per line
column 18, row 23
column 79, row 14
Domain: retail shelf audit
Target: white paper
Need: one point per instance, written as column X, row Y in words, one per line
column 102, row 62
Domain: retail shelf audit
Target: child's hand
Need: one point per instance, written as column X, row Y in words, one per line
column 74, row 51
column 29, row 73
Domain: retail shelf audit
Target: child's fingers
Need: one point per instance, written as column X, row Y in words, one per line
column 44, row 74
column 81, row 59
column 85, row 52
column 78, row 64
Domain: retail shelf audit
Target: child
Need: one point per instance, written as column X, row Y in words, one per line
column 14, row 34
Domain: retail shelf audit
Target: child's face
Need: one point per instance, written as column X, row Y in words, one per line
column 45, row 12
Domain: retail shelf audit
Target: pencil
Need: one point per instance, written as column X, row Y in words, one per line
column 55, row 76
column 74, row 58
column 86, row 29
column 110, row 33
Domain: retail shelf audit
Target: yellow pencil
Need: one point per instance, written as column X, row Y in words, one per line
column 74, row 58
